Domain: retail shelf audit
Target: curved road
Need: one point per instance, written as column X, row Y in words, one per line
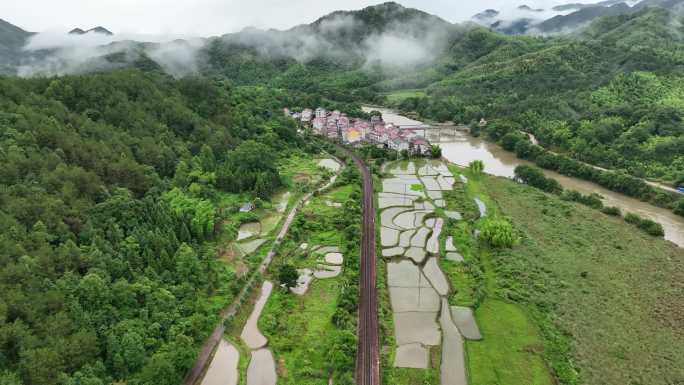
column 367, row 357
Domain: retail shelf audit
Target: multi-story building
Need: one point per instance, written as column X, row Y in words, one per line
column 331, row 129
column 352, row 135
column 307, row 115
column 319, row 124
column 343, row 123
column 398, row 144
column 419, row 146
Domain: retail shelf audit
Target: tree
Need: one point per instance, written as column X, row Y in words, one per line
column 207, row 159
column 435, row 151
column 679, row 207
column 9, row 378
column 535, row 177
column 127, row 353
column 182, row 176
column 188, row 266
column 288, row 276
column 41, row 366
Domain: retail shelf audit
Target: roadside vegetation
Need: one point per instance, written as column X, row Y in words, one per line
column 313, row 337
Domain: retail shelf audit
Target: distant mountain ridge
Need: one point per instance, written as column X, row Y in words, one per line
column 98, row 29
column 12, row 39
column 571, row 17
column 12, row 36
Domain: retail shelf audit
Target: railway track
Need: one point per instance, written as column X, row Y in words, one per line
column 368, row 358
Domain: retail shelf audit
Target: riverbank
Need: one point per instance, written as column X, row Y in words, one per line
column 582, row 298
column 461, row 148
column 613, row 290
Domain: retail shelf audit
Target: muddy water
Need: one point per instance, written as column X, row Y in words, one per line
column 461, row 148
column 249, row 230
column 223, row 369
column 251, row 334
column 261, row 369
column 391, row 117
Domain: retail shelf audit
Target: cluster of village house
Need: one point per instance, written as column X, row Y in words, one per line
column 336, row 125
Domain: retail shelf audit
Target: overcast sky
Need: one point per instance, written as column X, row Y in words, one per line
column 215, row 17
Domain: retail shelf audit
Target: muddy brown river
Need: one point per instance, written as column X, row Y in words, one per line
column 461, row 148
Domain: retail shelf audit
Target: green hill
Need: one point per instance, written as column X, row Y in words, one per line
column 557, row 88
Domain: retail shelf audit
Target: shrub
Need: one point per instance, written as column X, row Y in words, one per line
column 534, row 177
column 679, row 207
column 498, row 233
column 476, row 167
column 650, row 227
column 592, row 200
column 288, row 275
column 613, row 211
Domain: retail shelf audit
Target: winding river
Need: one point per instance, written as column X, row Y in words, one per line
column 461, row 148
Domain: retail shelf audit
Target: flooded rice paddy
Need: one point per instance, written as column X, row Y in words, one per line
column 411, row 235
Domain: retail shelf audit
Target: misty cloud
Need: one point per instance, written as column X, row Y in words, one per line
column 57, row 52
column 402, row 44
column 216, row 17
column 397, row 50
column 178, row 58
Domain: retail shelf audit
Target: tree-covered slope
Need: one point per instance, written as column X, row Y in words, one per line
column 108, row 217
column 610, row 96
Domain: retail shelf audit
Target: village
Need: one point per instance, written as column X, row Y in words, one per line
column 338, row 126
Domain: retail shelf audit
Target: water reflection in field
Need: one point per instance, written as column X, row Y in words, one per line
column 459, row 147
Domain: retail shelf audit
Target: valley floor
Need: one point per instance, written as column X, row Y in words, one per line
column 583, row 298
column 613, row 294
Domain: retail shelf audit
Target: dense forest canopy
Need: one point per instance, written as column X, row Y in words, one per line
column 107, row 270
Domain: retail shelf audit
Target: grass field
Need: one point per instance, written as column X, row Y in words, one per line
column 398, row 96
column 298, row 332
column 509, row 350
column 608, row 299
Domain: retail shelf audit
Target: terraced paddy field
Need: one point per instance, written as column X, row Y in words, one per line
column 244, row 354
column 421, row 342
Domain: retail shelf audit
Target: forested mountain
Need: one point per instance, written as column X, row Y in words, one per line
column 568, row 18
column 575, row 20
column 107, row 266
column 11, row 36
column 339, row 55
column 611, row 96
